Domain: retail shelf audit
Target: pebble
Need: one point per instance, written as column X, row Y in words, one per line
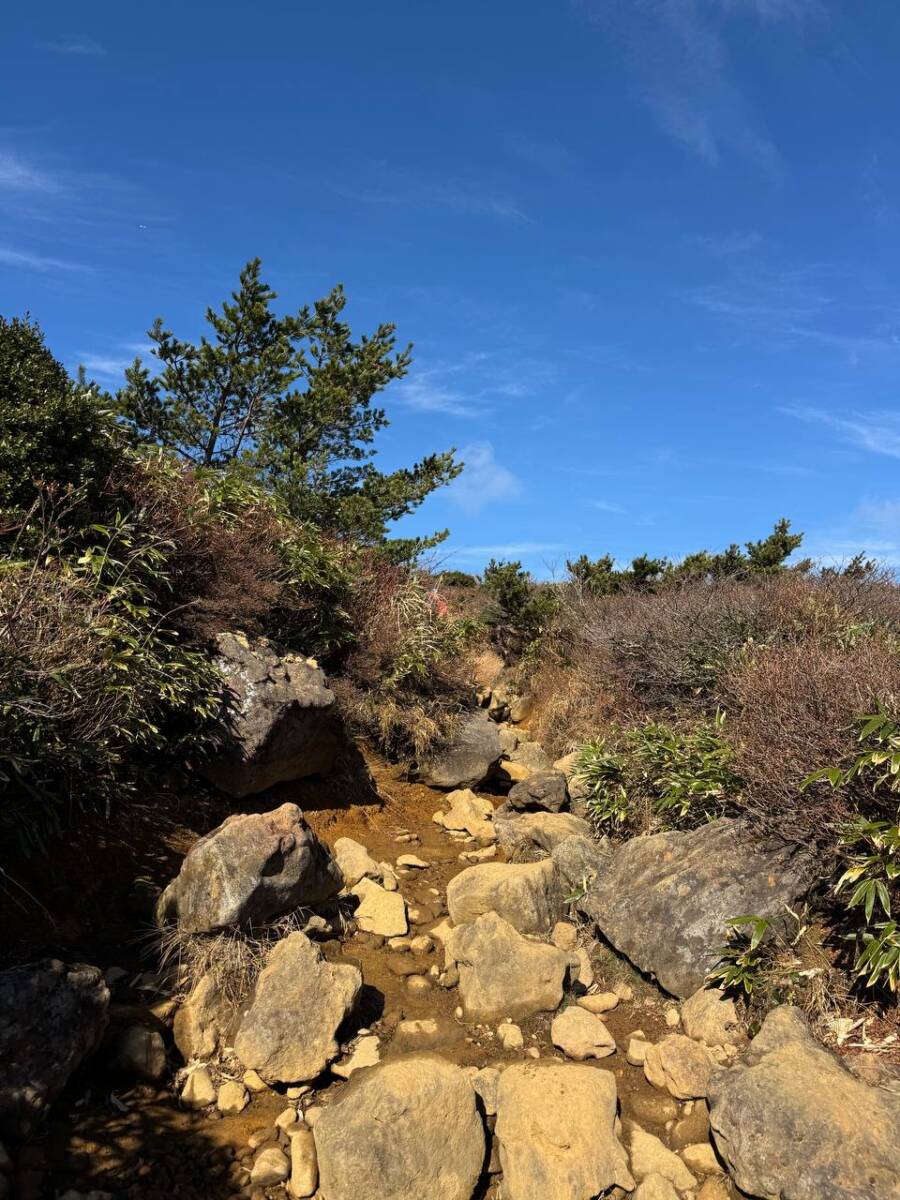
column 412, row 861
column 259, row 1137
column 701, row 1157
column 533, row 1052
column 365, row 1054
column 421, row 944
column 254, row 1082
column 637, row 1051
column 418, row 984
column 312, row 1114
column 564, row 935
column 624, row 991
column 286, row 1119
column 232, row 1099
column 199, row 1090
column 510, row 1036
column 304, row 1164
column 399, row 943
column 599, row 1002
column 270, row 1167
column 298, row 1092
column 673, row 1018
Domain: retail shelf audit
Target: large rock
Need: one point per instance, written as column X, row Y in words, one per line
column 679, row 1066
column 355, row 862
column 664, row 900
column 300, row 1001
column 283, row 724
column 544, row 791
column 254, row 868
column 202, row 1022
column 527, row 895
column 710, row 1017
column 52, row 1016
column 502, row 973
column 469, row 757
column 380, row 911
column 406, row 1130
column 791, row 1122
column 581, row 1034
column 556, row 1129
column 531, row 832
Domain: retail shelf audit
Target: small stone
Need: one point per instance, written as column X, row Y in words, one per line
column 637, row 1051
column 298, row 1092
column 286, row 1119
column 510, row 1036
column 253, row 1082
column 714, row 1189
column 270, row 1167
column 199, row 1090
column 624, row 991
column 458, row 1013
column 412, row 861
column 232, row 1099
column 421, row 944
column 400, row 944
column 701, row 1157
column 449, row 978
column 599, row 1002
column 365, row 1054
column 389, row 880
column 304, row 1164
column 584, row 971
column 580, row 1035
column 533, row 1052
column 418, row 984
column 380, row 911
column 485, row 854
column 259, row 1137
column 673, row 1018
column 678, row 1065
column 649, row 1156
column 312, row 1114
column 564, row 935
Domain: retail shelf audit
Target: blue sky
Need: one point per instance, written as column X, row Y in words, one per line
column 647, row 250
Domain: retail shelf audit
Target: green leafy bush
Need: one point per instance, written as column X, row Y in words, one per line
column 519, row 611
column 675, row 777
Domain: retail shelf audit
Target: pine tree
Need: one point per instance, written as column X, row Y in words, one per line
column 289, row 399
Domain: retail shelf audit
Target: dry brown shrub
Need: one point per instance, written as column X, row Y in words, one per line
column 792, row 709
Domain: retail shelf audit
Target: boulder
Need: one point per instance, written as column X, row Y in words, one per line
column 580, row 1034
column 379, row 911
column 527, row 895
column 468, row 758
column 664, row 900
column 531, row 832
column 790, row 1120
column 252, row 869
column 141, row 1052
column 300, row 1001
column 402, row 1131
column 282, row 724
column 467, row 813
column 52, row 1016
column 556, row 1129
column 709, row 1016
column 502, row 973
column 544, row 791
column 355, row 862
column 679, row 1066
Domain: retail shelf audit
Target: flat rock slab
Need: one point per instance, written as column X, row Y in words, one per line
column 283, row 724
column 468, row 759
column 790, row 1121
column 380, row 911
column 252, row 869
column 288, row 1032
column 528, row 895
column 556, row 1129
column 404, row 1130
column 536, row 831
column 664, row 900
column 52, row 1016
column 502, row 973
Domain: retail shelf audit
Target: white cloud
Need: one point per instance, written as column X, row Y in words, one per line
column 422, row 395
column 17, row 173
column 606, row 506
column 878, row 431
column 79, row 46
column 504, row 550
column 484, row 480
column 36, row 262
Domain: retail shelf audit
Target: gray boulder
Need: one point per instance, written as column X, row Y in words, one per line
column 253, row 868
column 536, row 832
column 791, row 1122
column 556, row 1130
column 52, row 1016
column 544, row 791
column 288, row 1033
column 283, row 723
column 664, row 900
column 502, row 973
column 403, row 1130
column 468, row 758
column 527, row 895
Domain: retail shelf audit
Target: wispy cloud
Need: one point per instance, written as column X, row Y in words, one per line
column 484, row 480
column 678, row 55
column 24, row 260
column 423, row 395
column 83, row 46
column 606, row 506
column 17, row 173
column 397, row 186
column 877, row 432
column 505, row 550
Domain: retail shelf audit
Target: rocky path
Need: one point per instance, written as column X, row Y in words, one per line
column 447, row 1026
